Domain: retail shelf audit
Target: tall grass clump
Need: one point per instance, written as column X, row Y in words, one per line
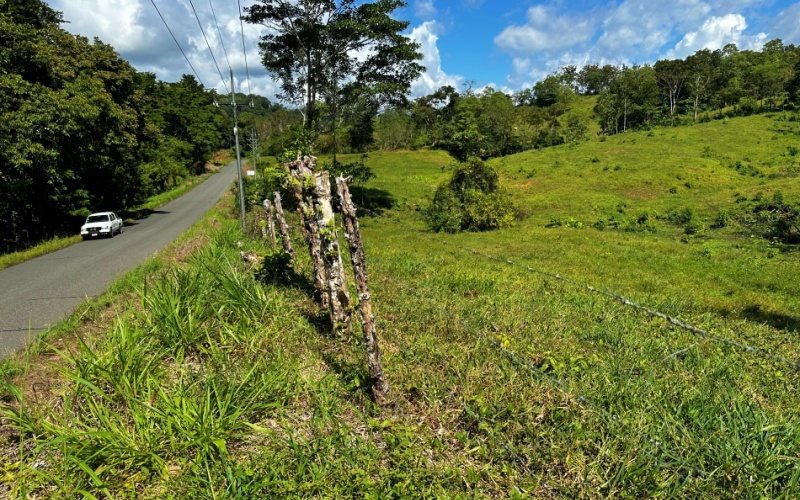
column 161, row 398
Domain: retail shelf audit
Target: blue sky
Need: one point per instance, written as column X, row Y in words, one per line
column 500, row 43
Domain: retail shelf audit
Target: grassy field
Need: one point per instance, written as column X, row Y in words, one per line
column 199, row 376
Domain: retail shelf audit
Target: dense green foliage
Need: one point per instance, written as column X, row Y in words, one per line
column 82, row 131
column 311, row 47
column 471, row 200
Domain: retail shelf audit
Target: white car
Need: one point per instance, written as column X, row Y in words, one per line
column 101, row 224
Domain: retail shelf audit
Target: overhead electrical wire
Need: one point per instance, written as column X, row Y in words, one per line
column 241, row 25
column 220, row 35
column 176, row 42
column 209, row 47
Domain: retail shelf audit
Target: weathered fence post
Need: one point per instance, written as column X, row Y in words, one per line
column 270, row 225
column 340, row 307
column 302, row 173
column 284, row 228
column 380, row 388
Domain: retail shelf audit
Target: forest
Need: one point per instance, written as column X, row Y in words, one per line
column 82, row 130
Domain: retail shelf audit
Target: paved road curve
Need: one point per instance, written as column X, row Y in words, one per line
column 40, row 292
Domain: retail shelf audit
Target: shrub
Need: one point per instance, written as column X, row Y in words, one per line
column 471, row 200
column 722, row 220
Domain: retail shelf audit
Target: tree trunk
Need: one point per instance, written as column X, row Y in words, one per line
column 380, row 388
column 340, row 305
column 284, row 228
column 302, row 173
column 269, row 227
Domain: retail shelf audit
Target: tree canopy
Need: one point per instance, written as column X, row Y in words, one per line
column 336, row 51
column 81, row 130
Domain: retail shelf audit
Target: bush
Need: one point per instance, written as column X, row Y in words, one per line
column 471, row 200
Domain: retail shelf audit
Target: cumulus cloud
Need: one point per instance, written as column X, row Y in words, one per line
column 644, row 27
column 116, row 22
column 545, row 31
column 427, row 34
column 715, row 33
column 135, row 30
column 424, row 9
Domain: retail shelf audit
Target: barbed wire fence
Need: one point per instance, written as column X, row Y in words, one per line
column 552, row 381
column 794, row 365
column 676, row 462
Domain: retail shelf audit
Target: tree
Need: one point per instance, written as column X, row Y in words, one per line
column 702, row 71
column 472, row 200
column 336, row 51
column 672, row 76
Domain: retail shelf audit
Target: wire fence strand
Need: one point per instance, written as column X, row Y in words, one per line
column 557, row 384
column 612, row 295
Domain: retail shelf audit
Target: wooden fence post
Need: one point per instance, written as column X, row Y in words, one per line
column 284, row 228
column 302, row 173
column 270, row 225
column 340, row 307
column 352, row 233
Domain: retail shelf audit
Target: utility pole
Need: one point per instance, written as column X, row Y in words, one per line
column 238, row 155
column 254, row 146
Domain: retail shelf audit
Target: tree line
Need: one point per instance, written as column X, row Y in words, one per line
column 561, row 107
column 82, row 131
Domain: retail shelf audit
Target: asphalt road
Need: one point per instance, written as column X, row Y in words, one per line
column 38, row 293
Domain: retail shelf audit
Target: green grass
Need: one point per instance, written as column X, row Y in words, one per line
column 202, row 380
column 49, row 246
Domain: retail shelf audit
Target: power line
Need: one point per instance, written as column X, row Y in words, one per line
column 244, row 51
column 220, row 34
column 222, row 79
column 176, row 42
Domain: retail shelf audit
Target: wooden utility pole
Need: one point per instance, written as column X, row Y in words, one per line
column 340, row 307
column 352, row 233
column 284, row 228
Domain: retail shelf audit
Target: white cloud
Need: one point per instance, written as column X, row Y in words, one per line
column 545, row 31
column 424, row 9
column 644, row 27
column 135, row 30
column 115, row 22
column 714, row 34
column 434, row 77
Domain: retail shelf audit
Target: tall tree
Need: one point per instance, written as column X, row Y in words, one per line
column 672, row 76
column 335, row 50
column 702, row 71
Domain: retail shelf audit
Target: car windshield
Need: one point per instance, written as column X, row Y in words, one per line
column 97, row 218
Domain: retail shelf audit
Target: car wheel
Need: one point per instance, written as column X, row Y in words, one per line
column 111, row 233
column 120, row 228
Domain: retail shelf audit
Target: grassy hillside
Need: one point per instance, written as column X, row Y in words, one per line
column 205, row 378
column 656, row 177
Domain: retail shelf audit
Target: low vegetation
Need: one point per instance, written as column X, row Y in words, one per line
column 204, row 377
